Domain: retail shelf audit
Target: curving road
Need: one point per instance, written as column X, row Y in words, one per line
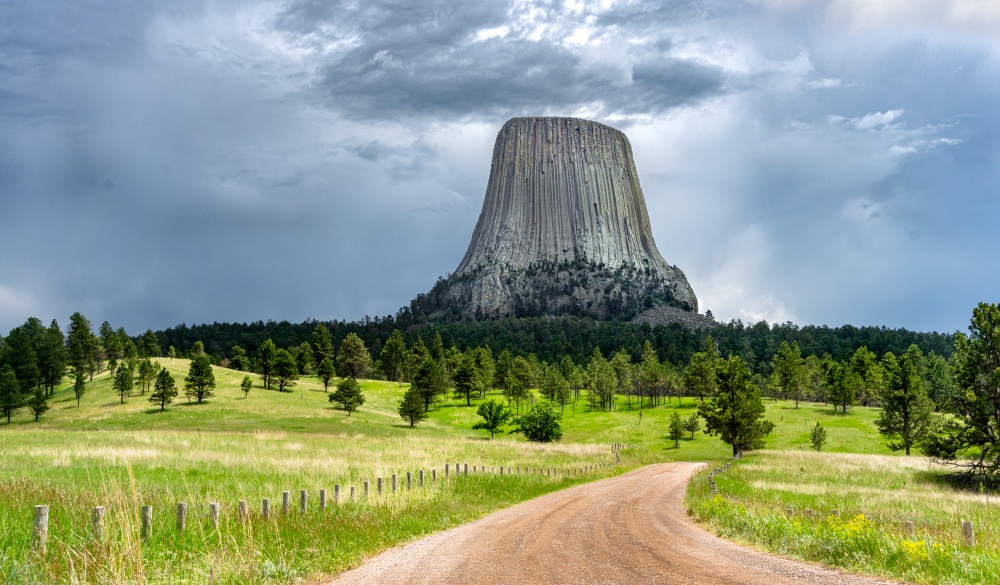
column 629, row 529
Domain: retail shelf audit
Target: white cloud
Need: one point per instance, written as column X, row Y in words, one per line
column 875, row 120
column 825, row 83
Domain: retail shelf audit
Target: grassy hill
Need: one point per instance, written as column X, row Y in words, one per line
column 233, row 448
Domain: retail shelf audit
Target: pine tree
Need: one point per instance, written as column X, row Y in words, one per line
column 81, row 344
column 467, row 378
column 393, row 356
column 265, row 361
column 79, row 388
column 411, row 407
column 429, row 382
column 353, row 359
column 700, row 373
column 736, row 411
column 239, row 361
column 200, row 381
column 286, row 371
column 676, row 429
column 164, row 389
column 494, row 414
column 19, row 354
column 348, row 394
column 51, row 351
column 325, row 372
column 788, row 367
column 322, row 344
column 10, row 392
column 692, row 424
column 906, row 417
column 149, row 344
column 817, row 437
column 246, row 385
column 122, row 383
column 38, row 403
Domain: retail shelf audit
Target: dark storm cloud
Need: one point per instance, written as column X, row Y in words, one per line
column 471, row 59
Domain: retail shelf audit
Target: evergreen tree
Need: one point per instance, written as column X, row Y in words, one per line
column 429, row 382
column 348, row 394
column 700, row 375
column 867, row 376
column 817, row 437
column 325, row 372
column 788, row 371
column 621, row 364
column 200, row 381
column 411, row 407
column 676, row 429
column 10, row 392
column 79, row 389
column 736, row 412
column 122, row 383
column 286, row 371
column 304, row 358
column 112, row 346
column 504, row 364
column 239, row 361
column 265, row 361
column 840, row 383
column 906, row 417
column 554, row 386
column 467, row 378
column 322, row 344
column 486, row 368
column 171, row 352
column 601, row 381
column 164, row 389
column 19, row 354
column 147, row 371
column 393, row 356
column 353, row 359
column 692, row 424
column 494, row 414
column 649, row 374
column 149, row 345
column 51, row 352
column 38, row 403
column 197, row 350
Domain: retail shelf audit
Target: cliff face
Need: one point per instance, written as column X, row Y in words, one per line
column 563, row 230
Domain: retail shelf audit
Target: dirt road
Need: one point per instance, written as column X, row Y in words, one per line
column 629, row 530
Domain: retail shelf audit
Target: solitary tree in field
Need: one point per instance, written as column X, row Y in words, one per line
column 10, row 392
column 429, row 381
column 817, row 437
column 467, row 378
column 286, row 371
column 265, row 361
column 692, row 424
column 353, row 359
column 676, row 429
column 79, row 388
column 246, row 385
column 540, row 423
column 411, row 407
column 736, row 413
column 348, row 394
column 164, row 389
column 38, row 403
column 495, row 416
column 123, row 383
column 200, row 381
column 907, row 412
column 325, row 372
column 393, row 356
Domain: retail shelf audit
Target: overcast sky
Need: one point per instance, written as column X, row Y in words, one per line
column 823, row 162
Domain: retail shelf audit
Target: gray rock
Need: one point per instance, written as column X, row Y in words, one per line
column 563, row 230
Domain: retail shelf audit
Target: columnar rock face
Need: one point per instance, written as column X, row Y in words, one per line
column 563, row 230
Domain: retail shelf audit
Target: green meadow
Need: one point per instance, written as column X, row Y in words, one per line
column 235, row 447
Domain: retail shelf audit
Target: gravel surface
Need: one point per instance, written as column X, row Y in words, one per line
column 625, row 530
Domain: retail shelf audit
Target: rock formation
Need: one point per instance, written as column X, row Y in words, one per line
column 563, row 230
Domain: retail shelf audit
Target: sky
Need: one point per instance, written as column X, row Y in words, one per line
column 823, row 162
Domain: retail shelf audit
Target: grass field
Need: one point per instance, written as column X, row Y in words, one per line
column 233, row 448
column 876, row 497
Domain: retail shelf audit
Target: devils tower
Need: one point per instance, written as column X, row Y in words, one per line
column 563, row 231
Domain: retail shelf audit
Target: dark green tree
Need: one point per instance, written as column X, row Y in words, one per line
column 494, row 414
column 112, row 345
column 867, row 376
column 147, row 371
column 353, row 359
column 348, row 394
column 79, row 388
column 265, row 361
column 692, row 424
column 486, row 367
column 675, row 431
column 197, row 350
column 149, row 345
column 841, row 380
column 393, row 356
column 736, row 412
column 81, row 345
column 123, row 383
column 429, row 382
column 322, row 344
column 554, row 386
column 700, row 375
column 541, row 423
column 246, row 385
column 907, row 413
column 19, row 354
column 788, row 369
column 200, row 381
column 239, row 361
column 164, row 389
column 51, row 351
column 817, row 437
column 411, row 407
column 38, row 403
column 303, row 355
column 325, row 372
column 467, row 378
column 601, row 381
column 286, row 371
column 10, row 392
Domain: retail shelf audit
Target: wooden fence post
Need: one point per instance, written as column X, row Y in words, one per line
column 434, row 475
column 97, row 522
column 213, row 515
column 146, row 527
column 243, row 513
column 466, row 469
column 379, row 486
column 322, row 500
column 908, row 527
column 352, row 491
column 409, row 480
column 286, row 502
column 968, row 535
column 365, row 488
column 265, row 508
column 421, row 478
column 41, row 528
column 303, row 501
column 393, row 483
column 336, row 494
column 446, row 465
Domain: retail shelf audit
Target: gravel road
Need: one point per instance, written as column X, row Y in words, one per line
column 625, row 530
